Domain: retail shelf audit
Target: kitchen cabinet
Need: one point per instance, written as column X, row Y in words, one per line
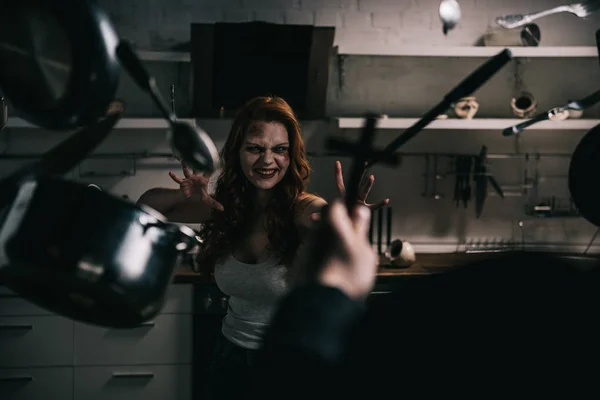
column 44, row 355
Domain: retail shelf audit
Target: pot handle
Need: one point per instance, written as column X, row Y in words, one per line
column 187, row 237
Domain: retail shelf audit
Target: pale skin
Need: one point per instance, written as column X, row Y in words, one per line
column 352, row 265
column 264, row 160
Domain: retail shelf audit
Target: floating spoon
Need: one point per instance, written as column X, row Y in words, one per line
column 191, row 145
column 449, row 14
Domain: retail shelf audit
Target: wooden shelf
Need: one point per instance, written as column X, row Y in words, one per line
column 359, row 49
column 466, row 51
column 384, row 123
column 472, row 124
column 124, row 123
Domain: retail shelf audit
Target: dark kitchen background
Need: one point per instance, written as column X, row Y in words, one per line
column 389, row 57
column 384, row 56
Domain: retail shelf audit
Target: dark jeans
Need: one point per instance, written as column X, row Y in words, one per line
column 229, row 370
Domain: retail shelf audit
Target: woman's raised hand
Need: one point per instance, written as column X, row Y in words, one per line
column 195, row 185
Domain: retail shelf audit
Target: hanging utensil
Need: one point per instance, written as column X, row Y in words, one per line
column 173, row 102
column 426, row 174
column 578, row 105
column 190, row 144
column 481, row 178
column 458, row 182
column 174, row 114
column 436, row 177
column 466, row 194
column 581, row 10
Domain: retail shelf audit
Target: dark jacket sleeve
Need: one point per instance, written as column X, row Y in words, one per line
column 306, row 345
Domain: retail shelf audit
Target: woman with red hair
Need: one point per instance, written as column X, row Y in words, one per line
column 252, row 226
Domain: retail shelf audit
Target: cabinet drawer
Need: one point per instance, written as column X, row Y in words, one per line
column 166, row 340
column 179, row 300
column 150, row 382
column 35, row 341
column 12, row 304
column 36, row 384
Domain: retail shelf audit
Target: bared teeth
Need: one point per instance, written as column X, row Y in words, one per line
column 263, row 172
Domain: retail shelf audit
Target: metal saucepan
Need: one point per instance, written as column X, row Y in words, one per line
column 58, row 64
column 88, row 255
column 583, row 175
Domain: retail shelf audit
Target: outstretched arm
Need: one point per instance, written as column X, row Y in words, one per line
column 191, row 203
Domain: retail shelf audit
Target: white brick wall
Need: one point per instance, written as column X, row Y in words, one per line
column 160, row 23
column 390, row 85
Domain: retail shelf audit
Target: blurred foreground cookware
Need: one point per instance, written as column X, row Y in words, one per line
column 583, row 176
column 85, row 254
column 67, row 247
column 60, row 66
column 79, row 251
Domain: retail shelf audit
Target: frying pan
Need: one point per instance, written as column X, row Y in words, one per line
column 583, row 170
column 60, row 67
column 58, row 64
column 583, row 175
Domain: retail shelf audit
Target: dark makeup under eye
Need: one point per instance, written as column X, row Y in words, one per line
column 255, row 149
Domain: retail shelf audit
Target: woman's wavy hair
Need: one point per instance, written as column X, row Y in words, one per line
column 235, row 192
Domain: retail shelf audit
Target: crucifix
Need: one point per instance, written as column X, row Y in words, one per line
column 362, row 152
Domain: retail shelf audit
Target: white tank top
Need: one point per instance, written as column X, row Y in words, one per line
column 254, row 291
